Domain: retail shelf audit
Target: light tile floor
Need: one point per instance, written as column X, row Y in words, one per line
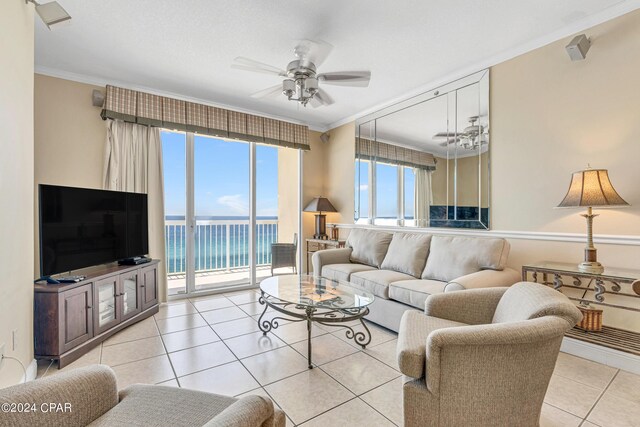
column 213, row 344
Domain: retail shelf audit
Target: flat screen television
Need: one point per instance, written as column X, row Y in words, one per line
column 81, row 227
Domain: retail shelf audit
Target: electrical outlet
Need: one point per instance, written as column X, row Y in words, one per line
column 14, row 339
column 1, row 354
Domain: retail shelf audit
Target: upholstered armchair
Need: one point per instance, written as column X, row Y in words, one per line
column 284, row 254
column 482, row 357
column 89, row 396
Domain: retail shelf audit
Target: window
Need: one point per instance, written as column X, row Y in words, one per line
column 386, row 193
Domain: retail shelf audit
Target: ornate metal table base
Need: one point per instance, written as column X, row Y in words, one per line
column 329, row 317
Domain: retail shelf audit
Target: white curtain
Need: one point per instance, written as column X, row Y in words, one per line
column 423, row 197
column 133, row 163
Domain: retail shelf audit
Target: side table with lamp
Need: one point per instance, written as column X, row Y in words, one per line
column 591, row 188
column 320, row 239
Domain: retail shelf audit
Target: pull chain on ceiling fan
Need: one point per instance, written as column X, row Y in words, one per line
column 302, row 82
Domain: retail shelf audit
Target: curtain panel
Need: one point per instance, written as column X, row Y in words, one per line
column 153, row 110
column 133, row 163
column 388, row 153
column 423, row 197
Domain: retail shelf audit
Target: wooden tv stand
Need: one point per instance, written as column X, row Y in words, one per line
column 72, row 318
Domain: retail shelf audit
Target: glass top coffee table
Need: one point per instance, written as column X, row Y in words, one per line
column 315, row 299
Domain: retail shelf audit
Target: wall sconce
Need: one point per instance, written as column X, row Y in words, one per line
column 52, row 14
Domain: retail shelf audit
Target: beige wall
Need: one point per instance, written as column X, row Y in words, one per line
column 314, row 167
column 339, row 176
column 16, row 187
column 550, row 117
column 69, row 138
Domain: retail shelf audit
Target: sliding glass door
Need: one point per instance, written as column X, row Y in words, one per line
column 233, row 202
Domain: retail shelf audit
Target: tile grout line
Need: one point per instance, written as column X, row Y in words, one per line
column 175, row 374
column 600, row 397
column 322, row 370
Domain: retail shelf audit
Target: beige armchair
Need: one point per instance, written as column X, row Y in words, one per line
column 482, row 357
column 89, row 396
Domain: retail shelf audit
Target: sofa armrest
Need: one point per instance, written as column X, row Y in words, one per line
column 249, row 411
column 84, row 395
column 494, row 353
column 329, row 256
column 484, row 279
column 474, row 307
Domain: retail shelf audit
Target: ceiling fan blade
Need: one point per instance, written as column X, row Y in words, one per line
column 346, row 78
column 254, row 70
column 270, row 92
column 315, row 102
column 447, row 135
column 260, row 67
column 312, row 51
column 322, row 97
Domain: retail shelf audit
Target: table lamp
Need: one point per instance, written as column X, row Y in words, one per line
column 320, row 204
column 591, row 188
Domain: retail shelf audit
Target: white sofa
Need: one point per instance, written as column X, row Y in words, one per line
column 403, row 269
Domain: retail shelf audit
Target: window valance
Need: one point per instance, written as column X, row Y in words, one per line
column 154, row 110
column 388, row 153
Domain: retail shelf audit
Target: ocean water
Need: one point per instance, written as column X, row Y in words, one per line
column 211, row 245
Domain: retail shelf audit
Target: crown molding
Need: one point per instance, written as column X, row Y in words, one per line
column 102, row 82
column 587, row 22
column 605, row 239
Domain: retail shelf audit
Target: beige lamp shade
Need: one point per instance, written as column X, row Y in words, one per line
column 591, row 188
column 320, row 204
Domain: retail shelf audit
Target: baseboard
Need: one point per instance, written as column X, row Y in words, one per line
column 606, row 356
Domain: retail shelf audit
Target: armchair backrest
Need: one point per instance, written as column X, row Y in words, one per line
column 527, row 300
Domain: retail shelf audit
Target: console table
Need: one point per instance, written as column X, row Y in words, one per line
column 622, row 285
column 314, row 245
column 72, row 318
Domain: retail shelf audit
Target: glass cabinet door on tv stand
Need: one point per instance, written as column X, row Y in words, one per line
column 106, row 301
column 130, row 295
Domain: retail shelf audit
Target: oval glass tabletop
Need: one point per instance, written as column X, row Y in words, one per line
column 319, row 292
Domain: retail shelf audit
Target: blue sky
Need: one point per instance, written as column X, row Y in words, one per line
column 221, row 177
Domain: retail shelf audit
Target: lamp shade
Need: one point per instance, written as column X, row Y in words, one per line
column 591, row 188
column 320, row 204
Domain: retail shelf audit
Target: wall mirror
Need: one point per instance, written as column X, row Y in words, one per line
column 424, row 162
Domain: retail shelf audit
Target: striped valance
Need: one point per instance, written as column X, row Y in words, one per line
column 388, row 153
column 154, row 110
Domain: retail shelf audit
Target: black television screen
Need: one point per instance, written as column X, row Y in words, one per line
column 81, row 227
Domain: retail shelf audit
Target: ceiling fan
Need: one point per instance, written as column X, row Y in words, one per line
column 470, row 138
column 302, row 79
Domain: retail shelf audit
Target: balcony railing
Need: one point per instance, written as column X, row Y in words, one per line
column 220, row 245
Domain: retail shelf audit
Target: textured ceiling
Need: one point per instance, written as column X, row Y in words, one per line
column 186, row 47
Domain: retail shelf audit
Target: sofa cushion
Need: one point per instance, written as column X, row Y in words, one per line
column 343, row 271
column 407, row 253
column 415, row 292
column 453, row 256
column 377, row 281
column 149, row 405
column 415, row 327
column 526, row 300
column 369, row 246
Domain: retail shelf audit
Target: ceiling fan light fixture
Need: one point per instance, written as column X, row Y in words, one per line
column 288, row 88
column 310, row 86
